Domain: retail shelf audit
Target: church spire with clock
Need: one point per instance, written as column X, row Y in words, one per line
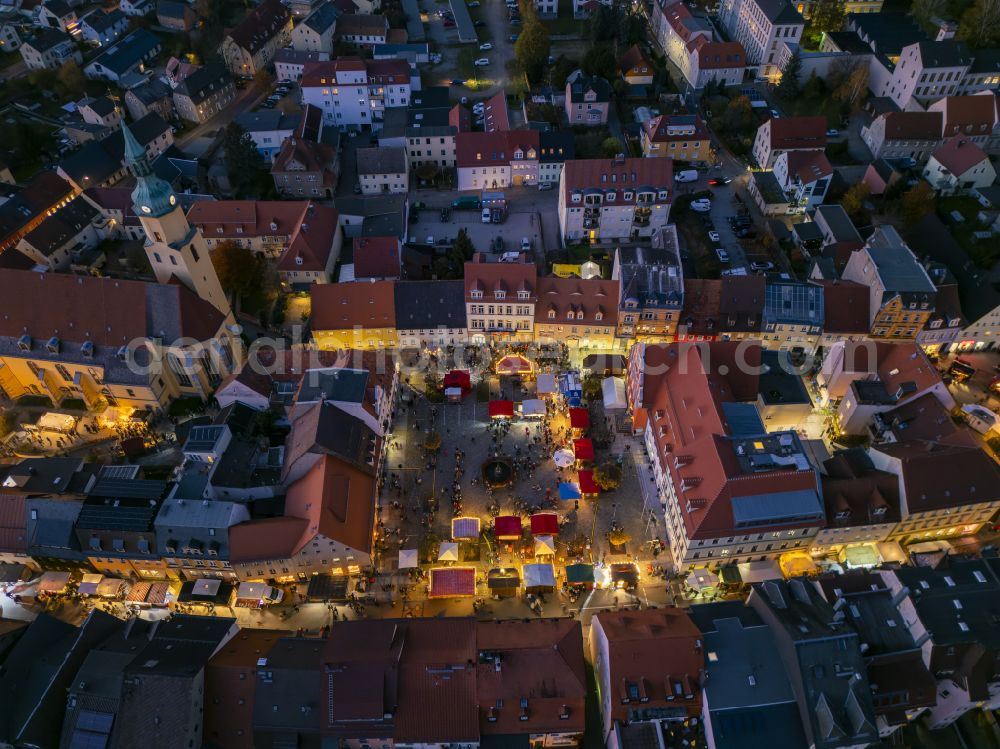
column 174, row 247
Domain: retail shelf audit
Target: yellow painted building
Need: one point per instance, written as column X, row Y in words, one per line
column 682, row 137
column 355, row 315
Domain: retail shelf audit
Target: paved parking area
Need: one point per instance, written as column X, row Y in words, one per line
column 516, row 226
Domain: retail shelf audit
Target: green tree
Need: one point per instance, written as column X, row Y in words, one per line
column 463, row 247
column 608, row 476
column 980, row 24
column 243, row 162
column 240, row 271
column 600, row 60
column 70, row 80
column 924, row 10
column 611, row 147
column 827, row 15
column 532, row 49
column 790, row 86
column 815, row 88
column 561, row 70
column 738, row 114
column 917, row 202
column 631, row 27
column 604, row 23
column 854, row 199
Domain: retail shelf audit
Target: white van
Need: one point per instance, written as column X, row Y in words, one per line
column 486, row 215
column 686, row 175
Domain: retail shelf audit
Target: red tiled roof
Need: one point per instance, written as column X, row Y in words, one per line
column 266, row 539
column 717, row 55
column 788, row 133
column 488, row 278
column 541, row 660
column 246, row 219
column 376, row 257
column 495, row 148
column 311, row 243
column 260, row 25
column 845, row 306
column 447, row 582
column 808, row 166
column 658, row 129
column 967, row 115
column 629, row 174
column 558, row 297
column 343, row 306
column 677, row 15
column 650, row 653
column 495, row 115
column 912, row 125
column 378, row 71
column 633, row 62
column 701, row 315
column 958, row 155
column 337, row 500
column 13, row 522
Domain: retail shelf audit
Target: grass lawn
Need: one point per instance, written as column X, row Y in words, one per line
column 985, row 252
column 565, row 24
column 807, row 106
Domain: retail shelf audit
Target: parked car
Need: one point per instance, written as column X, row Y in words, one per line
column 498, row 244
column 832, row 132
column 486, row 215
column 686, row 175
column 525, row 244
column 474, row 4
column 448, row 23
column 479, row 24
column 761, row 266
column 713, row 236
column 543, row 186
column 486, row 46
column 722, row 255
column 464, row 100
column 497, row 216
column 703, row 205
column 775, row 114
column 466, row 202
column 513, row 38
column 482, row 62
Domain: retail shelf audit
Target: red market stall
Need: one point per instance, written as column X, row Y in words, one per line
column 545, row 524
column 583, row 449
column 452, row 582
column 501, row 409
column 587, row 484
column 508, row 528
column 458, row 378
column 513, row 364
column 579, row 418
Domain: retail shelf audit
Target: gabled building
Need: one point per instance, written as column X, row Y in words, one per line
column 500, row 299
column 902, row 294
column 680, row 136
column 49, row 49
column 101, row 27
column 362, row 30
column 793, row 315
column 125, row 57
column 580, row 313
column 958, row 166
column 63, row 237
column 723, row 63
column 269, row 128
column 760, row 26
column 315, row 33
column 635, row 67
column 651, row 289
column 430, row 314
column 353, row 93
column 972, row 117
column 375, row 258
column 204, row 93
column 152, row 96
column 253, row 43
column 614, row 199
column 305, row 165
column 178, row 16
column 497, row 160
column 821, row 653
column 354, row 315
column 903, row 135
column 925, row 72
column 804, row 176
column 383, row 170
column 587, row 100
column 649, row 666
column 788, row 134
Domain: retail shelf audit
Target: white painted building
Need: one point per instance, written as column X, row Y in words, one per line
column 353, row 93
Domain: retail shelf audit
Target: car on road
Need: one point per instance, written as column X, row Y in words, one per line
column 497, row 216
column 479, row 24
column 703, row 205
column 543, row 186
column 513, row 38
column 759, row 265
column 722, row 255
column 832, row 132
column 525, row 244
column 719, row 181
column 746, row 233
column 713, row 236
column 485, row 46
column 498, row 244
column 775, row 114
column 515, row 21
column 482, row 62
column 457, row 82
column 267, row 105
column 486, row 215
column 448, row 23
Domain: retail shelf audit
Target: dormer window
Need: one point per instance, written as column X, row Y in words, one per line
column 627, row 196
column 500, row 294
column 570, row 315
column 524, row 295
column 610, row 197
column 663, row 194
column 552, row 314
column 577, row 197
column 476, row 294
column 599, row 316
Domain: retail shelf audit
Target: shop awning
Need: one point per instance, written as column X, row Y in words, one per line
column 569, row 490
column 507, row 527
column 545, row 384
column 587, row 483
column 251, row 591
column 53, row 582
column 702, row 580
column 89, row 584
column 861, row 556
column 579, row 418
column 539, row 576
column 759, row 571
column 448, row 552
column 501, row 409
column 577, row 574
column 613, row 393
column 583, row 449
column 110, row 587
column 545, row 524
column 545, row 546
column 797, row 563
column 891, row 551
column 533, row 407
column 450, row 582
column 458, row 378
column 408, row 559
column 465, row 528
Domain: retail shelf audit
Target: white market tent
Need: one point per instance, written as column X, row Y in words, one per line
column 759, row 571
column 448, row 552
column 407, row 559
column 613, row 393
column 539, row 576
column 702, row 579
column 564, row 458
column 544, row 546
column 53, row 582
column 545, row 383
column 89, row 584
column 533, row 407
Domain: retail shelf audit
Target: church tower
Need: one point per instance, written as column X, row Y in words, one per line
column 174, row 247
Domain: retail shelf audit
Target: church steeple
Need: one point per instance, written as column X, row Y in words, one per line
column 152, row 196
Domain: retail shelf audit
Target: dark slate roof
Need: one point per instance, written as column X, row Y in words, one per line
column 779, row 12
column 323, row 17
column 204, row 82
column 45, row 39
column 99, row 159
column 422, row 305
column 584, row 83
column 556, row 146
column 125, row 54
column 945, row 54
